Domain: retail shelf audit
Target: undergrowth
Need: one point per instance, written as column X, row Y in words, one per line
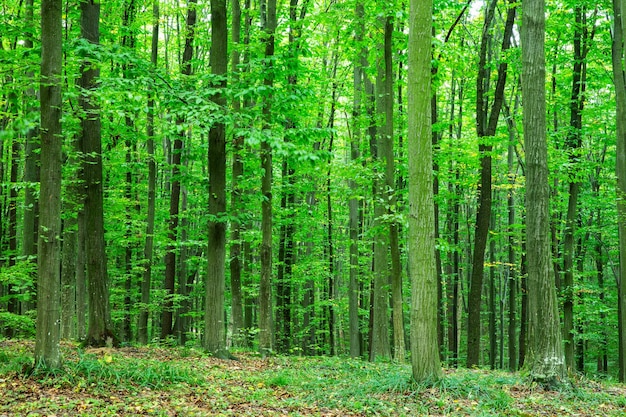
column 185, row 381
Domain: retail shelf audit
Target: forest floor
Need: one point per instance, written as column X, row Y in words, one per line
column 161, row 381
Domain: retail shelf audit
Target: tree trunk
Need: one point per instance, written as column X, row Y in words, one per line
column 265, row 300
column 619, row 78
column 13, row 305
column 68, row 276
column 573, row 142
column 486, row 124
column 215, row 340
column 144, row 312
column 493, row 343
column 360, row 62
column 174, row 213
column 235, row 255
column 100, row 330
column 511, row 241
column 545, row 359
column 48, row 330
column 424, row 349
column 380, row 346
column 399, row 351
column 31, row 166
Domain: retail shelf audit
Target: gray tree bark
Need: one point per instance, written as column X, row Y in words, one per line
column 544, row 359
column 424, row 347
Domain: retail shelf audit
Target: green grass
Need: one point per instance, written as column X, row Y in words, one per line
column 185, row 381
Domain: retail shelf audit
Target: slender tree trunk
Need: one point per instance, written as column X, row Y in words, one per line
column 174, row 213
column 82, row 298
column 215, row 340
column 390, row 180
column 493, row 343
column 545, row 359
column 236, row 263
column 523, row 325
column 265, row 300
column 68, row 276
column 511, row 242
column 360, row 62
column 48, row 331
column 31, row 165
column 453, row 225
column 486, row 124
column 128, row 41
column 13, row 305
column 619, row 78
column 424, row 349
column 603, row 357
column 144, row 312
column 573, row 142
column 380, row 346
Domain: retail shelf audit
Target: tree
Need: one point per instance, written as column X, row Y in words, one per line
column 355, row 215
column 142, row 323
column 237, row 171
column 174, row 214
column 215, row 340
column 544, row 358
column 486, row 124
column 47, row 352
column 100, row 329
column 265, row 299
column 573, row 143
column 424, row 348
column 619, row 79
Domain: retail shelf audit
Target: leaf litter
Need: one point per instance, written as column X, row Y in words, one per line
column 162, row 381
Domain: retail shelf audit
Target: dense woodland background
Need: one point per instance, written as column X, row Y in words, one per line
column 313, row 208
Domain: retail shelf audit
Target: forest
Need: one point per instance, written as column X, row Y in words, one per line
column 435, row 183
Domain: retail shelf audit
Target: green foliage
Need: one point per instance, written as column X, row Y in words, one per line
column 20, row 325
column 159, row 381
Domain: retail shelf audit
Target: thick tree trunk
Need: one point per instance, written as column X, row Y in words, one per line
column 48, row 330
column 545, row 359
column 215, row 340
column 100, row 330
column 424, row 348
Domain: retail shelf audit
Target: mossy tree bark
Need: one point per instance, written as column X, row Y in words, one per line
column 100, row 329
column 544, row 359
column 424, row 347
column 48, row 333
column 215, row 337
